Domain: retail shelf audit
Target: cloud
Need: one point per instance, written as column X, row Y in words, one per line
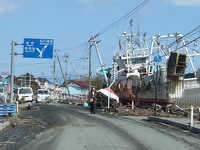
column 8, row 7
column 189, row 3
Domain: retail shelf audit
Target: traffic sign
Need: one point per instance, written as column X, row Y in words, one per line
column 5, row 73
column 38, row 48
column 157, row 58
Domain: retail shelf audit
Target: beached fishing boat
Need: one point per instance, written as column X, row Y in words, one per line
column 155, row 73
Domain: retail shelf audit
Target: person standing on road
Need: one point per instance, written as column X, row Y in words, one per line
column 93, row 100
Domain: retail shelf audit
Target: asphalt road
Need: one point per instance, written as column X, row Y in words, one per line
column 65, row 127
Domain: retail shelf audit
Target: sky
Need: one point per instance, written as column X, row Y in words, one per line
column 72, row 23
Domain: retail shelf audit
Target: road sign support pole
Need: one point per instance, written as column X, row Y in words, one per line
column 12, row 70
column 109, row 94
column 157, row 59
column 156, row 92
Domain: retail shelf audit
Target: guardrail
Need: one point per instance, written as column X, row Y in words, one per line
column 7, row 110
column 61, row 96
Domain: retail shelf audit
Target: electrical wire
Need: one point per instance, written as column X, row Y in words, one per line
column 108, row 28
column 119, row 21
column 189, row 34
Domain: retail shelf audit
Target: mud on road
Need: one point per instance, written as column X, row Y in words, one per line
column 28, row 124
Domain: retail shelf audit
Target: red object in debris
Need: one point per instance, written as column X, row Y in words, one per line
column 112, row 94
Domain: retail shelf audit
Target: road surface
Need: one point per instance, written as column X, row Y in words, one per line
column 79, row 130
column 57, row 126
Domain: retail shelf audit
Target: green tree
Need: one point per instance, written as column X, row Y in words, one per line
column 95, row 81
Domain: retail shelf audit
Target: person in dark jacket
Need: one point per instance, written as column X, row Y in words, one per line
column 93, row 100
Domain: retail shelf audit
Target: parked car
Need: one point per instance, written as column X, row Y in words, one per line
column 25, row 93
column 42, row 95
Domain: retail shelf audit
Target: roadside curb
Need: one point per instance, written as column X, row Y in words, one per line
column 180, row 125
column 4, row 125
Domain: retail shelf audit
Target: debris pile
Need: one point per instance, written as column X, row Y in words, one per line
column 171, row 110
column 74, row 102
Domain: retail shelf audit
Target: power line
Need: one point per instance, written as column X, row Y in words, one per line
column 126, row 16
column 75, row 47
column 191, row 33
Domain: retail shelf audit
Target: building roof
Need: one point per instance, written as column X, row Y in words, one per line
column 43, row 80
column 9, row 76
column 79, row 83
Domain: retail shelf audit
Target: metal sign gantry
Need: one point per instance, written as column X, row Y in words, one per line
column 33, row 48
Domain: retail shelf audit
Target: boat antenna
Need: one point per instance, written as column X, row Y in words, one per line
column 138, row 26
column 131, row 26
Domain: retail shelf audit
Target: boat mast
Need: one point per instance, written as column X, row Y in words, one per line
column 131, row 30
column 128, row 46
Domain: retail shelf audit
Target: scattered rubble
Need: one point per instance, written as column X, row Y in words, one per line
column 73, row 102
column 171, row 110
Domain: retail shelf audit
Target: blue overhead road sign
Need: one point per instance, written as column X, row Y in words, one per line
column 38, row 48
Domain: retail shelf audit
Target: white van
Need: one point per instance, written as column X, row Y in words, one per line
column 42, row 95
column 26, row 93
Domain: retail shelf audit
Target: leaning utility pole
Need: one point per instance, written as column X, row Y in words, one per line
column 92, row 39
column 73, row 68
column 63, row 74
column 54, row 71
column 100, row 61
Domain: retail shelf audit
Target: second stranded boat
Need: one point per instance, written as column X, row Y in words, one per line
column 156, row 74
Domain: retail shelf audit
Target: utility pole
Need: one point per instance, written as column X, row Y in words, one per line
column 43, row 80
column 66, row 74
column 73, row 68
column 62, row 73
column 100, row 61
column 12, row 70
column 21, row 80
column 25, row 81
column 84, row 67
column 54, row 71
column 29, row 79
column 90, row 73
